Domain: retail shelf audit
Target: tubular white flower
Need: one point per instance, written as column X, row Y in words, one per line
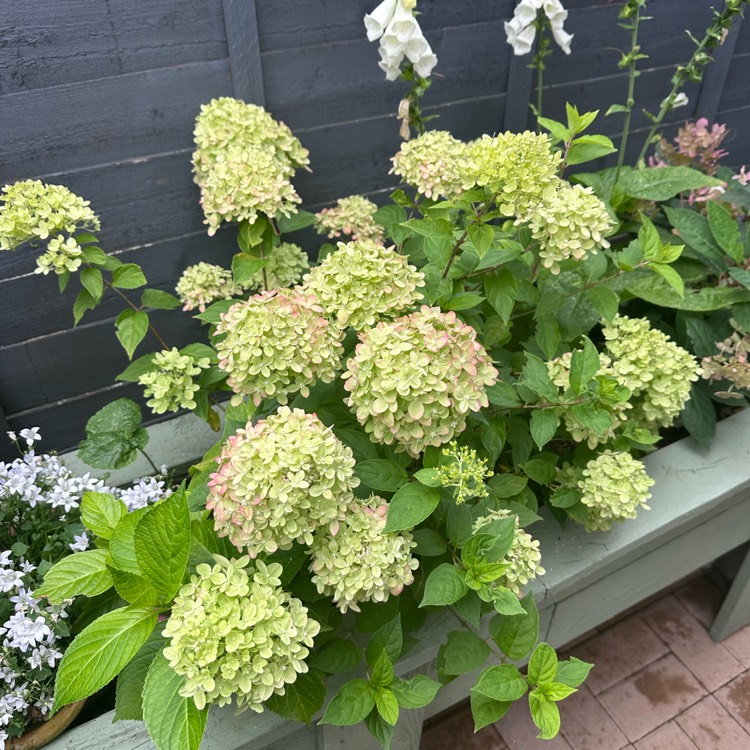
column 521, row 32
column 376, row 22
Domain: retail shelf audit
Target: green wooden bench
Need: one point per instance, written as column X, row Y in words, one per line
column 700, row 510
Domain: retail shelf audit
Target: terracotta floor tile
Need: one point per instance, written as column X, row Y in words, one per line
column 613, row 661
column 735, row 697
column 702, row 598
column 738, row 644
column 710, row 727
column 666, row 737
column 709, row 661
column 587, row 726
column 519, row 732
column 455, row 731
column 651, row 697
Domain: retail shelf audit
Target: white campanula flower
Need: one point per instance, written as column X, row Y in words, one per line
column 521, row 32
column 31, row 435
column 400, row 35
column 10, row 579
column 23, row 632
column 81, row 543
column 5, row 558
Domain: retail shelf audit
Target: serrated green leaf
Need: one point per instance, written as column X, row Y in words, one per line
column 417, row 692
column 350, row 705
column 129, row 695
column 506, row 602
column 462, row 653
column 302, row 699
column 604, row 300
column 338, row 656
column 298, row 220
column 245, row 266
column 543, row 426
column 545, row 713
column 542, row 664
column 131, row 328
column 501, row 683
column 501, row 290
column 589, row 147
column 388, row 638
column 463, row 301
column 379, row 729
column 137, row 367
column 128, row 276
column 503, row 395
column 381, row 474
column 81, row 574
column 572, row 671
column 584, row 364
column 84, row 301
column 481, row 236
column 556, row 691
column 486, row 711
column 664, row 183
column 381, row 674
column 726, row 231
column 445, row 585
column 429, row 543
column 133, row 588
column 101, row 512
column 699, row 414
column 411, row 504
column 655, row 290
column 670, row 276
column 547, row 335
column 387, row 705
column 159, row 300
column 92, row 281
column 518, row 634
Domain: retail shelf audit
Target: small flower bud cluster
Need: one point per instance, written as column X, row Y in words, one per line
column 170, row 382
column 204, row 283
column 280, row 480
column 286, row 264
column 613, row 486
column 243, row 163
column 414, row 381
column 523, row 556
column 33, row 210
column 234, row 631
column 432, row 163
column 521, row 30
column 518, row 167
column 352, row 216
column 731, row 365
column 400, row 35
column 62, row 255
column 363, row 282
column 361, row 562
column 568, row 222
column 275, row 344
column 465, row 471
column 656, row 370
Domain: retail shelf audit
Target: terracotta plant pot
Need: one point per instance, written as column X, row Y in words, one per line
column 41, row 734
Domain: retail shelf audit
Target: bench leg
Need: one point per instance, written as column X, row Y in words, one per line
column 406, row 737
column 735, row 611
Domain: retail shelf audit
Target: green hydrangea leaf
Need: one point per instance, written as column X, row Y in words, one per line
column 544, row 712
column 381, row 474
column 463, row 652
column 387, row 705
column 417, row 692
column 411, row 504
column 338, row 656
column 128, row 276
column 445, row 585
column 302, row 698
column 501, row 683
column 517, row 635
column 486, row 710
column 350, row 705
column 81, row 574
column 573, row 671
column 102, row 512
column 542, row 665
column 388, row 638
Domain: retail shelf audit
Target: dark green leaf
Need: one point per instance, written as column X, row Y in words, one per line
column 137, row 368
column 302, row 698
column 350, row 705
column 544, row 424
column 389, row 638
column 159, row 300
column 429, row 543
column 501, row 290
column 584, row 364
column 463, row 652
column 338, row 656
column 726, row 231
column 518, row 634
column 381, row 474
column 417, row 692
column 699, row 415
column 131, row 328
column 411, row 504
column 664, row 183
column 604, row 300
column 486, row 711
column 128, row 276
column 536, row 377
column 298, row 220
column 92, row 280
column 445, row 585
column 129, row 696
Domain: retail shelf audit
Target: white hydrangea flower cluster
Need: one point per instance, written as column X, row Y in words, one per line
column 351, row 216
column 414, row 381
column 286, row 264
column 363, row 282
column 243, row 163
column 434, row 163
column 521, row 30
column 361, row 562
column 400, row 35
column 280, row 480
column 234, row 631
column 465, row 471
column 204, row 283
column 523, row 556
column 170, row 382
column 62, row 255
column 275, row 344
column 656, row 370
column 569, row 221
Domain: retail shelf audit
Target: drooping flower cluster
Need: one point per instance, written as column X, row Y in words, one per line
column 31, row 210
column 243, row 163
column 361, row 562
column 465, row 471
column 363, row 282
column 234, row 631
column 523, row 556
column 279, row 481
column 521, row 29
column 286, row 264
column 518, row 167
column 730, row 364
column 275, row 344
column 656, row 370
column 414, row 381
column 433, row 163
column 352, row 217
column 170, row 381
column 204, row 283
column 400, row 35
column 569, row 221
column 613, row 486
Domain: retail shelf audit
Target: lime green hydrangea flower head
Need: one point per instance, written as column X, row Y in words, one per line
column 204, row 283
column 170, row 381
column 613, row 486
column 62, row 255
column 233, row 631
column 225, row 122
column 414, row 381
column 431, row 163
column 656, row 370
column 275, row 344
column 31, row 210
column 568, row 222
column 518, row 167
column 361, row 562
column 465, row 471
column 363, row 282
column 523, row 557
column 286, row 264
column 353, row 217
column 280, row 480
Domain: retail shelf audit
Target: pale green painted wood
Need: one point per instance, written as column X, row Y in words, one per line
column 735, row 611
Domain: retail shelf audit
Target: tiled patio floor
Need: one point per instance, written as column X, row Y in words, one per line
column 660, row 683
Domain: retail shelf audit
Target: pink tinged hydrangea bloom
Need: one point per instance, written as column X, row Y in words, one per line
column 279, row 481
column 414, row 381
column 361, row 562
column 286, row 263
column 275, row 344
column 351, row 216
column 363, row 282
column 204, row 283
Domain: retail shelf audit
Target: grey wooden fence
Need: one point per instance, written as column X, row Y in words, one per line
column 100, row 95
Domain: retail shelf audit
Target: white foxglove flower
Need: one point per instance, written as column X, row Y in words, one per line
column 521, row 32
column 376, row 22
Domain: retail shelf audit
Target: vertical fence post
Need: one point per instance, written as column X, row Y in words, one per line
column 518, row 93
column 241, row 24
